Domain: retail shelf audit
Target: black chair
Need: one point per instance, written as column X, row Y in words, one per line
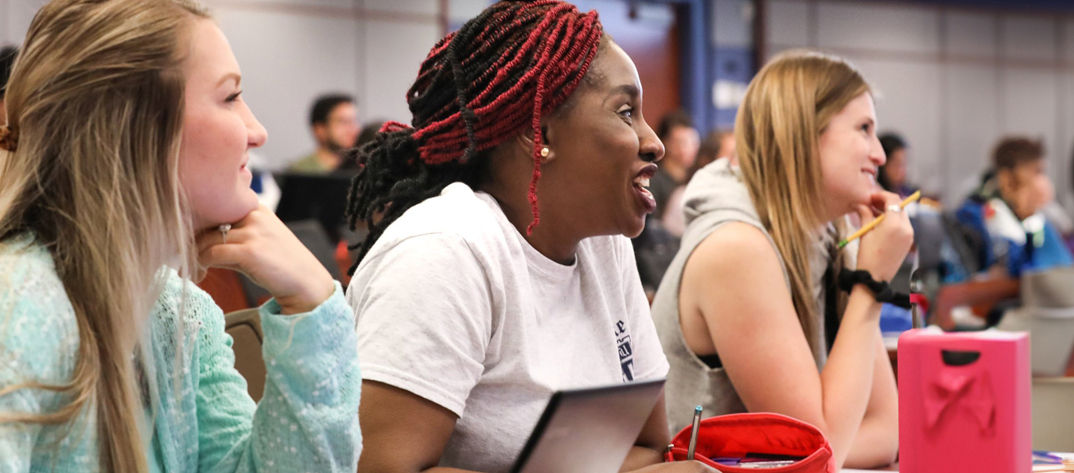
column 317, row 197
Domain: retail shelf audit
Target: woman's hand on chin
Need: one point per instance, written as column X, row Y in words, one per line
column 263, row 248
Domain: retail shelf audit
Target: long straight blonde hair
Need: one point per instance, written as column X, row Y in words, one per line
column 786, row 108
column 95, row 101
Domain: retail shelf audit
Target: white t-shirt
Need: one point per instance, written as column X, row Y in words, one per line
column 453, row 305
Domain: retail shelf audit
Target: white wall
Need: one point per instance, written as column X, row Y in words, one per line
column 15, row 16
column 952, row 81
column 291, row 51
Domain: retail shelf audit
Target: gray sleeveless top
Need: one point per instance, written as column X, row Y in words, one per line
column 714, row 197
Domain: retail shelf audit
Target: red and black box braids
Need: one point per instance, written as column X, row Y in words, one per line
column 496, row 76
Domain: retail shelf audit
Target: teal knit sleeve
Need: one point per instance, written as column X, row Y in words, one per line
column 307, row 419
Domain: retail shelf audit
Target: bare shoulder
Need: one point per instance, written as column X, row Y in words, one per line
column 734, row 272
column 733, row 251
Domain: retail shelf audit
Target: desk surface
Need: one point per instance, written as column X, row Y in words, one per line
column 895, row 467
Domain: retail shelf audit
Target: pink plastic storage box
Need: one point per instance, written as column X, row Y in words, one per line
column 964, row 402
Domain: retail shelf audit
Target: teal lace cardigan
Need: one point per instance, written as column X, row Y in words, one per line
column 202, row 418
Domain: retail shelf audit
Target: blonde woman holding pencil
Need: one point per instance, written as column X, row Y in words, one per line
column 742, row 310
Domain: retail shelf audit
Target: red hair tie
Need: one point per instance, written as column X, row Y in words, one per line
column 389, row 127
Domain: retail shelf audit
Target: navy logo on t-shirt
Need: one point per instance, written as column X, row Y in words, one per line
column 626, row 351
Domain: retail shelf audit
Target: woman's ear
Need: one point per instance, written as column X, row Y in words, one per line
column 525, row 141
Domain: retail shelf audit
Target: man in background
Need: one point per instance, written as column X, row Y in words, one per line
column 681, row 143
column 334, row 123
column 718, row 144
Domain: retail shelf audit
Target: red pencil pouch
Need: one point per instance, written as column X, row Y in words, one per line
column 735, row 435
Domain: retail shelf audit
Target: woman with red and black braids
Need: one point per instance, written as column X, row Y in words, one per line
column 497, row 268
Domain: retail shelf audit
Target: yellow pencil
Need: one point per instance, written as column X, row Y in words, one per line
column 913, row 197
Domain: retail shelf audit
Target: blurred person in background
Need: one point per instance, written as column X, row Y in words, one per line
column 718, row 144
column 1068, row 233
column 893, row 175
column 1005, row 211
column 681, row 142
column 334, row 123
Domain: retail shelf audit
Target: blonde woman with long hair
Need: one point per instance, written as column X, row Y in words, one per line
column 741, row 311
column 121, row 167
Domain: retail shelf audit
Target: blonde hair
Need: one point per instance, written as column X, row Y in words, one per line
column 786, row 108
column 95, row 102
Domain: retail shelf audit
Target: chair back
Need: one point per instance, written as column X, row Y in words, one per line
column 1049, row 289
column 1053, row 419
column 967, row 243
column 244, row 326
column 929, row 235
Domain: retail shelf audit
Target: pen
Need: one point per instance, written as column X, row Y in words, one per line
column 877, row 220
column 693, row 433
column 1047, row 456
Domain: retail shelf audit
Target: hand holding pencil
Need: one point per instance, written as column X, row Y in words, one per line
column 865, row 229
column 887, row 236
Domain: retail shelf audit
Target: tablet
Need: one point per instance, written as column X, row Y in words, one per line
column 588, row 430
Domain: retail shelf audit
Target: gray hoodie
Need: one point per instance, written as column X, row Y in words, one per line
column 715, row 196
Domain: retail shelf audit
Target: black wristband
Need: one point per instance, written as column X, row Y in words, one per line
column 882, row 291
